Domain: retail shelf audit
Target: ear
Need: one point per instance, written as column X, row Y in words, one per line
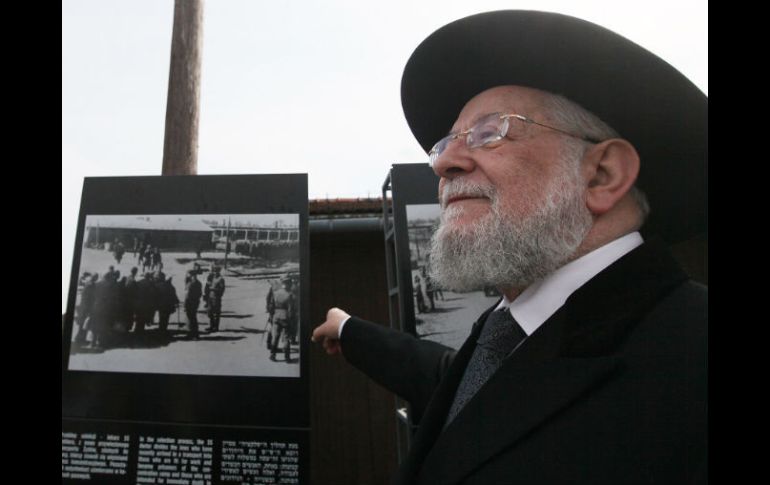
column 611, row 168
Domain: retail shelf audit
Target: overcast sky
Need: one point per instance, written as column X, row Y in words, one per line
column 288, row 87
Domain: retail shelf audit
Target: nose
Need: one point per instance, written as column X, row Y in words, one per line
column 455, row 161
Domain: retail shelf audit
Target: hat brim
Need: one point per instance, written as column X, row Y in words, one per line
column 650, row 103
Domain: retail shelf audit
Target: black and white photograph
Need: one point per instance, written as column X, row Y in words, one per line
column 205, row 294
column 440, row 315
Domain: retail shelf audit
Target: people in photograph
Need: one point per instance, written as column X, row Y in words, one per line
column 105, row 309
column 270, row 309
column 167, row 300
column 285, row 309
column 156, row 259
column 192, row 299
column 216, row 290
column 85, row 308
column 118, row 250
column 294, row 316
column 418, row 295
column 129, row 299
column 147, row 259
column 145, row 303
column 429, row 290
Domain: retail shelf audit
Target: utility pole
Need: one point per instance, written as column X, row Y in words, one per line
column 180, row 143
column 227, row 242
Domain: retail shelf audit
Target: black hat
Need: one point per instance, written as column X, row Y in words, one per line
column 651, row 104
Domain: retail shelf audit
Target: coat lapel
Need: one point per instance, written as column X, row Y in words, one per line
column 537, row 384
column 572, row 353
column 433, row 419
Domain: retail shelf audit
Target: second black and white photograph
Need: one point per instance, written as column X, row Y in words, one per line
column 207, row 294
column 442, row 316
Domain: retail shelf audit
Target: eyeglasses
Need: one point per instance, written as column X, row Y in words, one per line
column 489, row 129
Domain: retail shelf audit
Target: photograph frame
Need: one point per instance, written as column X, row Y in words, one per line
column 253, row 401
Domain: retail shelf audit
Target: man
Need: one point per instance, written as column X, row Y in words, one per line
column 156, row 259
column 284, row 309
column 215, row 290
column 167, row 300
column 294, row 316
column 270, row 309
column 105, row 309
column 602, row 375
column 129, row 293
column 119, row 249
column 191, row 301
column 418, row 295
column 86, row 306
column 145, row 304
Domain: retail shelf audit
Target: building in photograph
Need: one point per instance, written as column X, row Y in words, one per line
column 167, row 232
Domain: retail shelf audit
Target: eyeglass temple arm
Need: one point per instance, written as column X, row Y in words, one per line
column 530, row 120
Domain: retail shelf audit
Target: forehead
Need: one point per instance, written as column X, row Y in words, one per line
column 508, row 99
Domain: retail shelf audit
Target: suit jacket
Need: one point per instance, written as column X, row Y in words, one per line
column 611, row 389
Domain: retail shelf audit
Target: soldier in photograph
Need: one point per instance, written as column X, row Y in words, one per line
column 429, row 289
column 294, row 317
column 418, row 295
column 146, row 259
column 215, row 291
column 270, row 309
column 129, row 293
column 118, row 250
column 135, row 247
column 207, row 289
column 191, row 301
column 285, row 308
column 157, row 259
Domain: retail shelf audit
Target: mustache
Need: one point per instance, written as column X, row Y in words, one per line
column 464, row 188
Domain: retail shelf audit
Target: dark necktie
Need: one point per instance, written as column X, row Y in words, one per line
column 499, row 336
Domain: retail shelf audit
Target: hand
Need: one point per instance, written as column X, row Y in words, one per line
column 328, row 332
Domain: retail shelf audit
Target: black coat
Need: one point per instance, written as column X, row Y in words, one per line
column 612, row 389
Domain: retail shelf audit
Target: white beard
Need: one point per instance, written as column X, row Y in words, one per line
column 505, row 250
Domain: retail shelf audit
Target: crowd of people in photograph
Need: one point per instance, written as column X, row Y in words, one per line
column 266, row 250
column 116, row 310
column 112, row 306
column 149, row 258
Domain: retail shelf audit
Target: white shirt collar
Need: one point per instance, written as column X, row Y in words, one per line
column 540, row 300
